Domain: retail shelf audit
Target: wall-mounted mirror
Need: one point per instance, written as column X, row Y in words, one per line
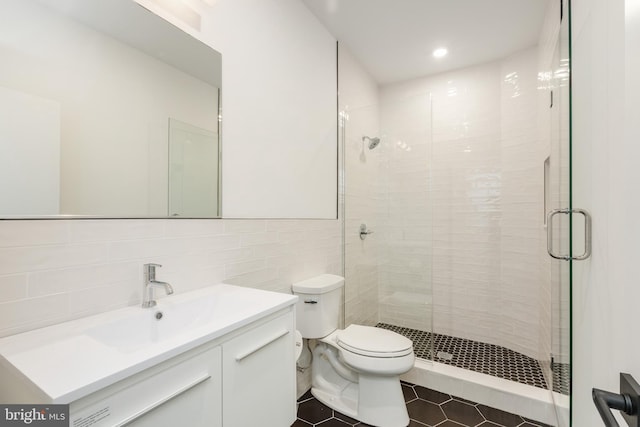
column 106, row 110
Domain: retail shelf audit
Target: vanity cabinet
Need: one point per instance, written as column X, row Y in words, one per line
column 218, row 356
column 246, row 378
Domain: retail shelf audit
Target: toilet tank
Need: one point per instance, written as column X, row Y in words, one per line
column 318, row 307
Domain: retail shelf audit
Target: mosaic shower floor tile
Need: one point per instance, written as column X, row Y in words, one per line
column 485, row 358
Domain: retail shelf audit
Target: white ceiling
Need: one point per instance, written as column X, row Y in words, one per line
column 394, row 39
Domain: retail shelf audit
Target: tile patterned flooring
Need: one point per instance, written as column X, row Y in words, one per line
column 426, row 408
column 481, row 357
column 561, row 378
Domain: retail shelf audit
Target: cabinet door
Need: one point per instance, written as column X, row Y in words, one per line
column 185, row 391
column 258, row 378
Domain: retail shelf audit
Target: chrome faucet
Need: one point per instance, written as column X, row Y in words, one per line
column 150, row 283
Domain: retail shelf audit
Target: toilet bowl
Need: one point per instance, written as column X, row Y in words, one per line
column 373, row 350
column 354, row 370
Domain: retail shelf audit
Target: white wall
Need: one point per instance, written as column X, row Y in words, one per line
column 279, row 108
column 279, row 117
column 605, row 153
column 279, row 68
column 52, row 271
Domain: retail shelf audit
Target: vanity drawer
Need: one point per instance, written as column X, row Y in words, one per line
column 185, row 391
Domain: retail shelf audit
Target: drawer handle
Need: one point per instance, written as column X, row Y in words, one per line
column 162, row 401
column 243, row 356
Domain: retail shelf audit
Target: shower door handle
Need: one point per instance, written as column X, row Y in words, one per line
column 587, row 234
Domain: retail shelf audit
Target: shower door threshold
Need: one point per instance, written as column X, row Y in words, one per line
column 527, row 401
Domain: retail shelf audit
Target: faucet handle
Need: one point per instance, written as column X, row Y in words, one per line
column 150, row 271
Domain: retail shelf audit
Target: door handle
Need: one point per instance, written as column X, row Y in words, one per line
column 626, row 402
column 162, row 401
column 242, row 356
column 605, row 401
column 587, row 234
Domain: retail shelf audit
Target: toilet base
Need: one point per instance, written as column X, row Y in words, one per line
column 344, row 404
column 372, row 399
column 381, row 402
column 367, row 404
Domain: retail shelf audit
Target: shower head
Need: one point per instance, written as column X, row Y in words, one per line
column 373, row 142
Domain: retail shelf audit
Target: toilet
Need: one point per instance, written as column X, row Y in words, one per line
column 356, row 370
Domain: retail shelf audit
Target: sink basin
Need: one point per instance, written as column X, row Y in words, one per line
column 73, row 359
column 172, row 318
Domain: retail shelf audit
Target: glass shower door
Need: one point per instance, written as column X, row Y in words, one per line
column 406, row 291
column 362, row 209
column 561, row 221
column 387, row 216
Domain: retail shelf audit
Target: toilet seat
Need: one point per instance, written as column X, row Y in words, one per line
column 373, row 342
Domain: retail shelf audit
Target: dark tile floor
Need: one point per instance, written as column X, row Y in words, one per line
column 426, row 408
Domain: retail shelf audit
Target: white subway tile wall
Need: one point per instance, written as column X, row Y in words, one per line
column 57, row 270
column 464, row 214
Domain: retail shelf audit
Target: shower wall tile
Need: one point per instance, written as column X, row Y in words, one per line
column 470, row 186
column 521, row 204
column 57, row 278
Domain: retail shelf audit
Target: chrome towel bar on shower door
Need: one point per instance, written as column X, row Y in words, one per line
column 587, row 234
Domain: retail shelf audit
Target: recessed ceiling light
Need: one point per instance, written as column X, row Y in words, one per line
column 440, row 52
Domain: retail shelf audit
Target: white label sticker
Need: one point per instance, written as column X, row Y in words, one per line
column 93, row 418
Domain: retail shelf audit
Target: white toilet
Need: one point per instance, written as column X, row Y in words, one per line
column 355, row 371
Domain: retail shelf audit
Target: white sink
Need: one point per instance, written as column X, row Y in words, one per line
column 73, row 359
column 172, row 318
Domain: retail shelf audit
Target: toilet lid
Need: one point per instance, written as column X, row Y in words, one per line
column 375, row 342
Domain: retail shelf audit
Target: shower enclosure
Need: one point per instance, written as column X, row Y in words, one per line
column 456, row 197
